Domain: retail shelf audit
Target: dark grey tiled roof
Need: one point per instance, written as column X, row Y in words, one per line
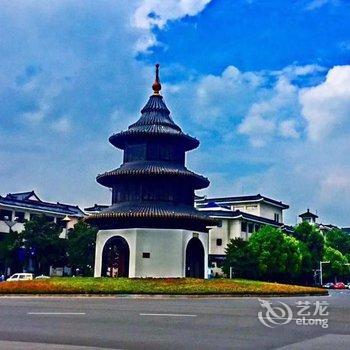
column 237, row 213
column 151, row 168
column 155, row 120
column 21, row 200
column 308, row 214
column 96, row 207
column 256, row 197
column 22, row 195
column 151, row 210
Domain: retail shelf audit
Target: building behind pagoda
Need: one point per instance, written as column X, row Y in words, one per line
column 152, row 228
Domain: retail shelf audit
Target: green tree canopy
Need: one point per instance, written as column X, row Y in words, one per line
column 81, row 247
column 278, row 255
column 314, row 241
column 41, row 239
column 338, row 240
column 337, row 266
column 9, row 245
column 239, row 257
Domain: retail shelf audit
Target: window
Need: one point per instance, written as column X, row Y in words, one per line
column 277, row 217
column 5, row 214
column 146, row 255
column 250, row 228
column 219, row 242
column 19, row 216
column 251, row 207
column 244, row 226
column 237, row 207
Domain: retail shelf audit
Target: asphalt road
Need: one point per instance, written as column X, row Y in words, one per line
column 170, row 323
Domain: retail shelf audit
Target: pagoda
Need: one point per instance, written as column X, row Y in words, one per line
column 152, row 228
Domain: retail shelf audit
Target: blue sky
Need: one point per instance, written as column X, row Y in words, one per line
column 264, row 85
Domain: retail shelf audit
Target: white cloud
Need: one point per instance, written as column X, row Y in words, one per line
column 33, row 117
column 62, row 125
column 326, row 107
column 273, row 110
column 67, row 61
column 261, row 121
column 294, row 71
column 288, row 128
column 315, row 4
column 335, row 185
column 157, row 13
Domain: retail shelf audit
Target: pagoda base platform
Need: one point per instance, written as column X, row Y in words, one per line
column 150, row 252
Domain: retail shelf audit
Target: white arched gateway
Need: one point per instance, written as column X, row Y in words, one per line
column 151, row 253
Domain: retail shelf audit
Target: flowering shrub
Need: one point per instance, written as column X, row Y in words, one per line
column 87, row 285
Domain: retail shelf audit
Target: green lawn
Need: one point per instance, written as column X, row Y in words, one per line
column 179, row 286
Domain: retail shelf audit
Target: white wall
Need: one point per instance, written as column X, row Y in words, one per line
column 167, row 250
column 219, row 233
column 248, row 207
column 268, row 211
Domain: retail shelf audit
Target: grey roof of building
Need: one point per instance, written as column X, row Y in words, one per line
column 21, row 200
column 237, row 213
column 257, row 197
column 96, row 207
column 346, row 229
column 308, row 214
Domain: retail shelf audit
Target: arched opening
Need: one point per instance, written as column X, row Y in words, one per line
column 115, row 258
column 195, row 258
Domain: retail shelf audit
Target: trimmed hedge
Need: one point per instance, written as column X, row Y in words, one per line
column 172, row 286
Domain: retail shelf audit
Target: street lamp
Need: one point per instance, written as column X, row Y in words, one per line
column 10, row 224
column 66, row 219
column 322, row 262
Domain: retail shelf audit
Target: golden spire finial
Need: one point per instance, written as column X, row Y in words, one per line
column 156, row 85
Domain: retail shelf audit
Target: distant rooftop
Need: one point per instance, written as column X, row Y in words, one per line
column 346, row 229
column 96, row 208
column 308, row 214
column 238, row 199
column 30, row 200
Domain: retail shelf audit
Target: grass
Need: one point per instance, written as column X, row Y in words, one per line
column 173, row 286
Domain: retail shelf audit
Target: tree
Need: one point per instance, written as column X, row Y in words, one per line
column 314, row 241
column 306, row 275
column 9, row 248
column 337, row 266
column 338, row 240
column 42, row 244
column 81, row 247
column 278, row 255
column 239, row 257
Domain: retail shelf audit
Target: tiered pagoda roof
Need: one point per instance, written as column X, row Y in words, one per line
column 153, row 187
